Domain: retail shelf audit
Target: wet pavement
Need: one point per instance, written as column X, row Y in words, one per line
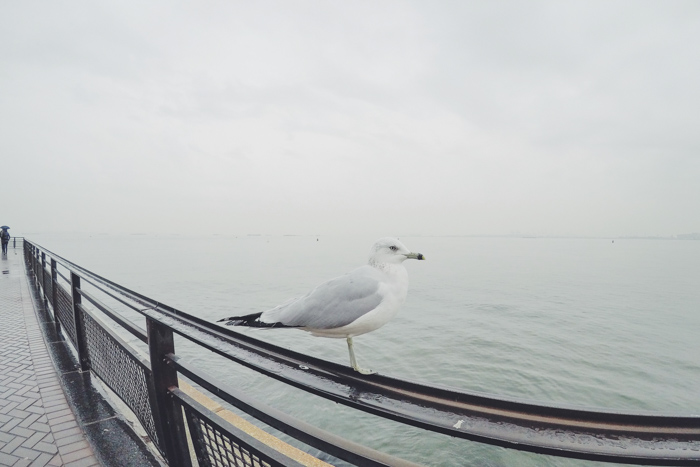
column 50, row 413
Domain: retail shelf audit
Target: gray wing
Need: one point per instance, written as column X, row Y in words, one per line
column 333, row 304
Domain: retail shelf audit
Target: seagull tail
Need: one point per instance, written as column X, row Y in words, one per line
column 252, row 321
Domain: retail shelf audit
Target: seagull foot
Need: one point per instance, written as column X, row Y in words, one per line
column 364, row 371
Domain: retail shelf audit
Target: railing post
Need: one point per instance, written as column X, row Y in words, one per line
column 79, row 325
column 34, row 256
column 170, row 424
column 54, row 294
column 43, row 279
column 37, row 273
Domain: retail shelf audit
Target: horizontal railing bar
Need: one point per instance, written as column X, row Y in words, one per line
column 71, row 266
column 123, row 322
column 67, row 279
column 109, row 294
column 641, row 438
column 300, row 430
column 138, row 332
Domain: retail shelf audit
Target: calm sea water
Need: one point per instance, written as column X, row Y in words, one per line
column 586, row 322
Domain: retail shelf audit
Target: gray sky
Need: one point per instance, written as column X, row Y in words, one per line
column 361, row 117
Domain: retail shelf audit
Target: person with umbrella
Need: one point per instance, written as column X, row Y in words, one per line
column 5, row 237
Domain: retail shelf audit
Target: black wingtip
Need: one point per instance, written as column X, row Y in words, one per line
column 232, row 321
column 247, row 320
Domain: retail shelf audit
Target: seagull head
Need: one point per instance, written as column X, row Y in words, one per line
column 390, row 250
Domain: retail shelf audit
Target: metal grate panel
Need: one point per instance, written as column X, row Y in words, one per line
column 218, row 448
column 121, row 371
column 64, row 311
column 39, row 271
column 48, row 286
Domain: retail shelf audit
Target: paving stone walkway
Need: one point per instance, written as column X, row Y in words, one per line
column 37, row 426
column 51, row 413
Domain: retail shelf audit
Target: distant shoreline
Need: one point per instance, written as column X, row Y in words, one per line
column 690, row 236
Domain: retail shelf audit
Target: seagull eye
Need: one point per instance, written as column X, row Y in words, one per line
column 393, row 248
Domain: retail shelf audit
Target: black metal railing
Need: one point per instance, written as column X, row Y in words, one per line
column 143, row 373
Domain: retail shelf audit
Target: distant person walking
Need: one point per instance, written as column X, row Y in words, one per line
column 5, row 237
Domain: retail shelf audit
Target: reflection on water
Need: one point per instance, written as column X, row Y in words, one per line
column 577, row 321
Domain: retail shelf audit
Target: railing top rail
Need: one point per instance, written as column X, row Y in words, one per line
column 608, row 435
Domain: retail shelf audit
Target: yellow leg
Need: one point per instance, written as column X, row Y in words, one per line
column 353, row 360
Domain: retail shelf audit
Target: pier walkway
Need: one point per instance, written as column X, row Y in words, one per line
column 50, row 413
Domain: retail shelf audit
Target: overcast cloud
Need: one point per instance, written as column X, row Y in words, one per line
column 318, row 117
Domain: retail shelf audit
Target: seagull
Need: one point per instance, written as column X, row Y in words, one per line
column 356, row 303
